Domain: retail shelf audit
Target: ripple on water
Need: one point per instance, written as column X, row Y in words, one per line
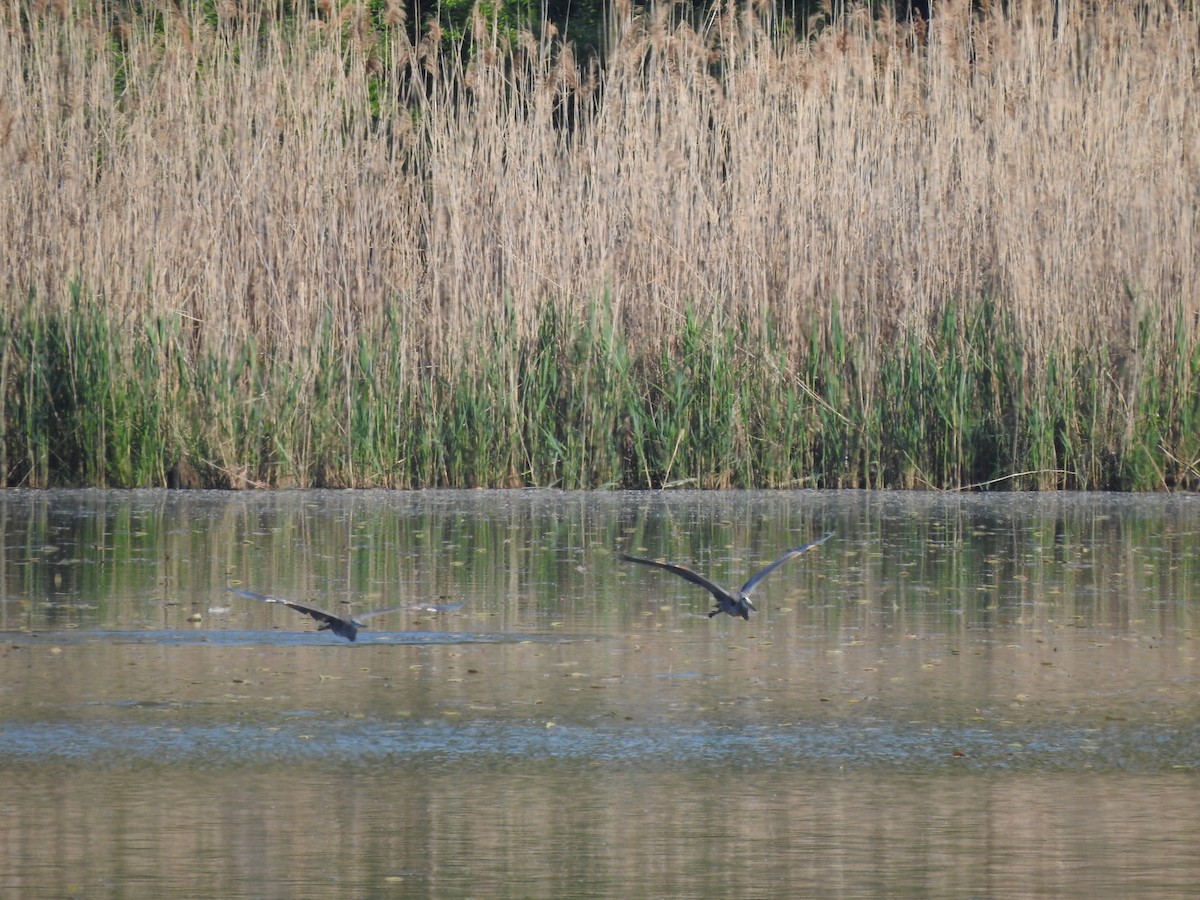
column 175, row 638
column 485, row 744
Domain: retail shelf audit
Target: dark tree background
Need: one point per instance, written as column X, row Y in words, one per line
column 582, row 22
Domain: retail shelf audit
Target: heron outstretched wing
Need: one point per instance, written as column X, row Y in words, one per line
column 339, row 625
column 791, row 554
column 685, row 573
column 268, row 598
column 434, row 607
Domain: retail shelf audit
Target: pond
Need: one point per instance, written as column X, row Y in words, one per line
column 955, row 696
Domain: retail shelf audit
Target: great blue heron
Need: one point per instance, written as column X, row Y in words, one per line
column 735, row 604
column 342, row 627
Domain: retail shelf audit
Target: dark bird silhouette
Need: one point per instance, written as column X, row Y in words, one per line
column 342, row 627
column 737, row 603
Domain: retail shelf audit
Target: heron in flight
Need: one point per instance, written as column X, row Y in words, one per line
column 735, row 603
column 342, row 627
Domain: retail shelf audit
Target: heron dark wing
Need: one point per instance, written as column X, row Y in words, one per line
column 685, row 573
column 346, row 628
column 791, row 554
column 342, row 627
column 325, row 618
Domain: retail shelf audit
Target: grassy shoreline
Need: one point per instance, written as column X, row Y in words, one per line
column 576, row 407
column 317, row 254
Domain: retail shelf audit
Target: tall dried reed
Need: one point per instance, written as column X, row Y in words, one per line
column 319, row 253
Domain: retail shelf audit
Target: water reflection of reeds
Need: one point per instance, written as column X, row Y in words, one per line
column 530, row 833
column 541, row 559
column 956, row 695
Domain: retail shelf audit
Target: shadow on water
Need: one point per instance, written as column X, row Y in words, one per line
column 956, row 696
column 312, row 638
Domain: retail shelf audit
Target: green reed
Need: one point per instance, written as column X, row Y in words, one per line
column 80, row 404
column 954, row 403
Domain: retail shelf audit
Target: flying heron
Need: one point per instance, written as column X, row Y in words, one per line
column 737, row 603
column 342, row 627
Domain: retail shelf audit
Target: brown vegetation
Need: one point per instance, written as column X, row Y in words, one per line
column 301, row 187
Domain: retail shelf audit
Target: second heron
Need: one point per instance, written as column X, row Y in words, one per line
column 734, row 603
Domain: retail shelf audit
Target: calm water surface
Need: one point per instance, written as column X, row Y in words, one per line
column 954, row 697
